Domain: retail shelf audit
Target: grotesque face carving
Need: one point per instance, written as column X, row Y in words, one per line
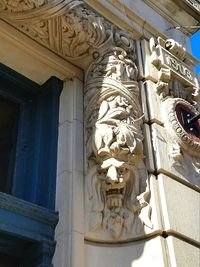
column 113, row 187
column 113, row 175
column 116, row 175
column 115, row 152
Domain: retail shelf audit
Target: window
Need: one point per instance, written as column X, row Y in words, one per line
column 9, row 118
column 7, row 261
column 28, row 137
column 28, row 157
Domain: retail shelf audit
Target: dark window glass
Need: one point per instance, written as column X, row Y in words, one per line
column 9, row 118
column 8, row 261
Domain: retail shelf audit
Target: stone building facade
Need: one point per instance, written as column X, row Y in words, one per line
column 106, row 165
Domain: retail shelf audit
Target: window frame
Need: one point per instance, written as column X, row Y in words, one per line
column 36, row 149
column 27, row 215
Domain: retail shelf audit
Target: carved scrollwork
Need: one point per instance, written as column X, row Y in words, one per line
column 20, row 5
column 83, row 29
column 70, row 29
column 117, row 182
column 38, row 30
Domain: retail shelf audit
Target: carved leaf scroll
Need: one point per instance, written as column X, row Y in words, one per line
column 70, row 29
column 20, row 5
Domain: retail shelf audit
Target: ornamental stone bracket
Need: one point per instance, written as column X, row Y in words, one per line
column 117, row 192
column 117, row 187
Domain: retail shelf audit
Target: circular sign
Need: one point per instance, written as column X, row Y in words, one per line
column 184, row 123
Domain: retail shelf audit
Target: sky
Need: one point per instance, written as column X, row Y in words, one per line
column 195, row 45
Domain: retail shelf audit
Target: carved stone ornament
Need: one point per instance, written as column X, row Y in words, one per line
column 117, row 189
column 70, row 29
column 20, row 5
column 172, row 158
column 116, row 184
column 170, row 58
column 173, row 114
column 178, row 89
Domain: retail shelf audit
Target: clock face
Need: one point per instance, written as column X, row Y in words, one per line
column 184, row 115
column 183, row 122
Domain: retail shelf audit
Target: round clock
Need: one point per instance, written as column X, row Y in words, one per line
column 183, row 121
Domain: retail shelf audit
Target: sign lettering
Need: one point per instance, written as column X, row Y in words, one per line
column 178, row 68
column 194, row 4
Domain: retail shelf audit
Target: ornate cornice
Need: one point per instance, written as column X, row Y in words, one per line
column 70, row 29
column 19, row 6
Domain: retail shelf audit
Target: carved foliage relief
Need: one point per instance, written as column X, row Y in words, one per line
column 69, row 29
column 117, row 190
column 20, row 5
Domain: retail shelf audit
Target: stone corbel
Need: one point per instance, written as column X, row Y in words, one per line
column 117, row 189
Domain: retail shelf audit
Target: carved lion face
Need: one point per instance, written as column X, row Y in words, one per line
column 113, row 175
